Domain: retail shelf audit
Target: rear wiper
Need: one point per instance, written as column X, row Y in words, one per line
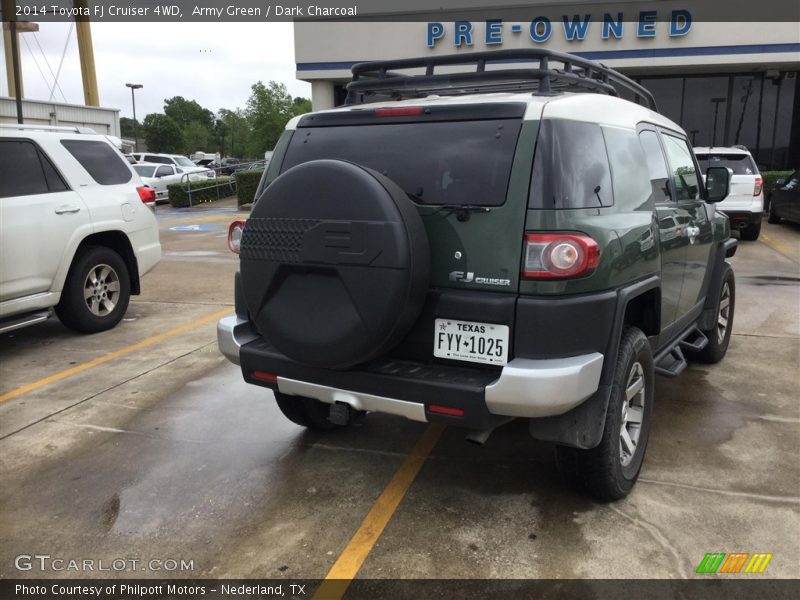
column 463, row 211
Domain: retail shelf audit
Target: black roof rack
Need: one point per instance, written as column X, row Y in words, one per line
column 376, row 80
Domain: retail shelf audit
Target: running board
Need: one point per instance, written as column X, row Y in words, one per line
column 24, row 320
column 671, row 362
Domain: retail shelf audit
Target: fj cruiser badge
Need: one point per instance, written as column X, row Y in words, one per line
column 469, row 277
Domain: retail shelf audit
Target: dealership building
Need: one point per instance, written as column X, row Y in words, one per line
column 726, row 84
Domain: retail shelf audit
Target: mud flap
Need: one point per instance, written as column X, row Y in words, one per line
column 581, row 427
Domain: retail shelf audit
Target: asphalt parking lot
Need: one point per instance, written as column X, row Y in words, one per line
column 143, row 442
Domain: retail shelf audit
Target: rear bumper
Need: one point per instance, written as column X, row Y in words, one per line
column 742, row 218
column 523, row 388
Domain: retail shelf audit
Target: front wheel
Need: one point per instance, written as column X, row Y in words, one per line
column 719, row 336
column 97, row 291
column 609, row 471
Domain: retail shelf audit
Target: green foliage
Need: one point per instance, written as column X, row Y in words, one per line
column 770, row 177
column 202, row 191
column 127, row 127
column 195, row 137
column 268, row 109
column 236, row 130
column 184, row 112
column 162, row 134
column 301, row 106
column 246, row 185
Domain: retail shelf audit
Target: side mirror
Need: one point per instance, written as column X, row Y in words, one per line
column 718, row 183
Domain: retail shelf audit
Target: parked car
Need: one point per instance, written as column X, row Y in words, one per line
column 745, row 202
column 176, row 160
column 785, row 199
column 159, row 176
column 226, row 166
column 461, row 260
column 77, row 229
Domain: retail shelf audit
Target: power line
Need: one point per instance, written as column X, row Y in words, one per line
column 36, row 62
column 47, row 62
column 61, row 62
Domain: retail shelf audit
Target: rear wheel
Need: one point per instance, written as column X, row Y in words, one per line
column 773, row 216
column 97, row 291
column 609, row 471
column 719, row 336
column 752, row 231
column 307, row 412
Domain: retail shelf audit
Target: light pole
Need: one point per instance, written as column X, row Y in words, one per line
column 716, row 102
column 134, row 86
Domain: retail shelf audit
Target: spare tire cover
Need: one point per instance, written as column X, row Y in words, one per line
column 334, row 264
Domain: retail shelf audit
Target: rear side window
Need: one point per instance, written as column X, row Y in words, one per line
column 629, row 171
column 570, row 167
column 442, row 162
column 740, row 164
column 144, row 170
column 25, row 171
column 100, row 160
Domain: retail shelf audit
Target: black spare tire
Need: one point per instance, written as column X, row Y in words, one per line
column 334, row 264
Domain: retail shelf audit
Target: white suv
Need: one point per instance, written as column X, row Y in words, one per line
column 78, row 230
column 176, row 160
column 745, row 203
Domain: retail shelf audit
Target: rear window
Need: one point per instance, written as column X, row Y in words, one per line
column 570, row 167
column 100, row 160
column 448, row 162
column 164, row 160
column 144, row 170
column 741, row 164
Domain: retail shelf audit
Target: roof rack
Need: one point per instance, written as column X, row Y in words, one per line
column 69, row 129
column 376, row 80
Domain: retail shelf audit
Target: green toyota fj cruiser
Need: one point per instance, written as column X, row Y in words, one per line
column 477, row 245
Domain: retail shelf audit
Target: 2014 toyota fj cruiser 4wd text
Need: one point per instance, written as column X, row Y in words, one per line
column 471, row 247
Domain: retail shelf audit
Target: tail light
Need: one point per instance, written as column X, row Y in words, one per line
column 235, row 235
column 147, row 195
column 559, row 255
column 757, row 187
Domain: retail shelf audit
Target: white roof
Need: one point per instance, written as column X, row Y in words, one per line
column 720, row 150
column 579, row 106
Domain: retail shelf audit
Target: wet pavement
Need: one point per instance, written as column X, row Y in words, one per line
column 163, row 453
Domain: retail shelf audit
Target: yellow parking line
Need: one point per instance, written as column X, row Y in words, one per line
column 779, row 247
column 355, row 553
column 112, row 355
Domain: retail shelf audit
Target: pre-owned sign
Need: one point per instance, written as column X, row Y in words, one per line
column 575, row 28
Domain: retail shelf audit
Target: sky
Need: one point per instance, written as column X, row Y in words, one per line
column 212, row 63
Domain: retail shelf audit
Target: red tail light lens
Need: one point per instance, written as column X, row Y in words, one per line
column 758, row 186
column 445, row 410
column 402, row 111
column 235, row 235
column 559, row 255
column 268, row 377
column 147, row 195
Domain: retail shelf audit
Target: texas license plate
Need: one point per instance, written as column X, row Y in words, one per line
column 467, row 340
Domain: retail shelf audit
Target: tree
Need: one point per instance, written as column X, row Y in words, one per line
column 195, row 137
column 268, row 109
column 162, row 134
column 184, row 112
column 301, row 106
column 127, row 127
column 235, row 130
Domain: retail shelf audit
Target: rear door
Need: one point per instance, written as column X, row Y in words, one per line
column 39, row 216
column 695, row 231
column 673, row 251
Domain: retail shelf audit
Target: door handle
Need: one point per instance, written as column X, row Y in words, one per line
column 61, row 210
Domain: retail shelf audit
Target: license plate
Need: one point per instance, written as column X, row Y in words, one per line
column 467, row 340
